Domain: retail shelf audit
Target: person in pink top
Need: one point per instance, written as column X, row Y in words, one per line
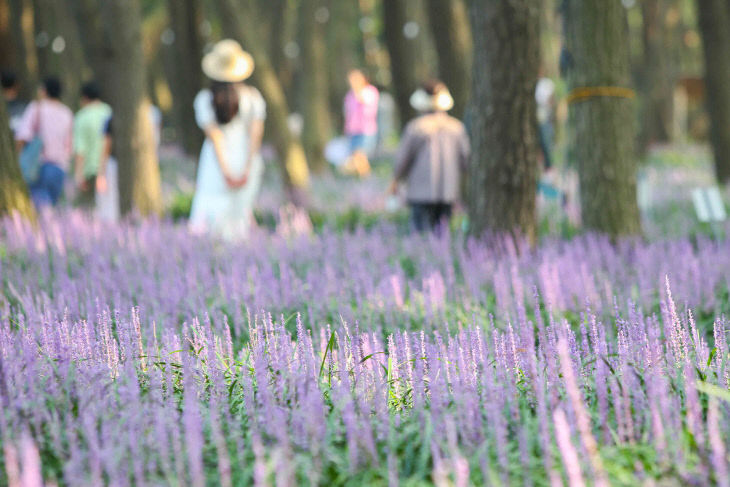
column 52, row 122
column 361, row 121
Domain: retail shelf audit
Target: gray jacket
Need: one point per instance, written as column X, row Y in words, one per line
column 433, row 152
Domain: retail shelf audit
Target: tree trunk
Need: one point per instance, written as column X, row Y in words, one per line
column 345, row 53
column 185, row 18
column 280, row 12
column 134, row 144
column 7, row 54
column 26, row 63
column 657, row 75
column 315, row 88
column 95, row 44
column 13, row 190
column 714, row 23
column 452, row 36
column 602, row 121
column 42, row 18
column 71, row 64
column 403, row 57
column 239, row 22
column 502, row 179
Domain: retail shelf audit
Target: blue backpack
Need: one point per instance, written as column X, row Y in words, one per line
column 30, row 156
column 30, row 160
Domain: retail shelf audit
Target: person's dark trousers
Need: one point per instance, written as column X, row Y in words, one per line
column 86, row 197
column 429, row 216
column 48, row 188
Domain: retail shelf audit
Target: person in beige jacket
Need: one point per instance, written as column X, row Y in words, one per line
column 433, row 153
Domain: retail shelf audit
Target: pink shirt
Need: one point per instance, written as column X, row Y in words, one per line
column 52, row 121
column 361, row 116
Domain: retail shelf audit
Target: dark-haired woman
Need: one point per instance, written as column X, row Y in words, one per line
column 230, row 169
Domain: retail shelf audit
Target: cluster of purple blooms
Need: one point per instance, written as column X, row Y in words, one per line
column 140, row 355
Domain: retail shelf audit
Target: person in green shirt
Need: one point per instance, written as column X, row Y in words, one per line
column 88, row 142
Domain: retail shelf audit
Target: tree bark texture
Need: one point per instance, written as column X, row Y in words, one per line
column 714, row 23
column 280, row 13
column 13, row 190
column 95, row 43
column 54, row 20
column 7, row 51
column 452, row 37
column 26, row 63
column 658, row 73
column 239, row 22
column 403, row 58
column 345, row 49
column 603, row 133
column 42, row 30
column 134, row 144
column 185, row 17
column 315, row 87
column 502, row 178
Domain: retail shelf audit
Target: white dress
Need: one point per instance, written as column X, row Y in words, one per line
column 217, row 208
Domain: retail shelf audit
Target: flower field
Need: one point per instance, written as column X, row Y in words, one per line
column 142, row 355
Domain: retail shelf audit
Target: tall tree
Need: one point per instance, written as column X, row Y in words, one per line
column 26, row 63
column 346, row 52
column 7, row 54
column 315, row 86
column 42, row 30
column 134, row 142
column 502, row 179
column 714, row 23
column 403, row 58
column 239, row 22
column 658, row 73
column 601, row 114
column 95, row 43
column 185, row 18
column 452, row 36
column 13, row 190
column 279, row 12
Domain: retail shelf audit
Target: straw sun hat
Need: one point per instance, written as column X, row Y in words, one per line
column 440, row 100
column 228, row 62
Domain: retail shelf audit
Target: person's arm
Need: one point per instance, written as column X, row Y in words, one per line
column 78, row 165
column 405, row 158
column 215, row 134
column 205, row 117
column 78, row 151
column 26, row 127
column 256, row 135
column 255, row 131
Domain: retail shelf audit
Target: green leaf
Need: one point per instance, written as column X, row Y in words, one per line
column 713, row 390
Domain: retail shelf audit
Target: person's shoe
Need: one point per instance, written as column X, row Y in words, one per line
column 362, row 166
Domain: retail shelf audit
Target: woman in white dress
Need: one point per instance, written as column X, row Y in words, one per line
column 230, row 169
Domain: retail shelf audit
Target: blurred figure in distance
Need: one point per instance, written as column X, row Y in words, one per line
column 11, row 94
column 88, row 144
column 545, row 99
column 431, row 158
column 361, row 122
column 49, row 120
column 232, row 116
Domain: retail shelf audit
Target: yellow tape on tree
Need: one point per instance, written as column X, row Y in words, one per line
column 586, row 92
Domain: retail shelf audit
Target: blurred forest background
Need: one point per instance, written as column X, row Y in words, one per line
column 151, row 49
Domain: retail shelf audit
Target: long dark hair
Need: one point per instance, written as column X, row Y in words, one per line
column 225, row 101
